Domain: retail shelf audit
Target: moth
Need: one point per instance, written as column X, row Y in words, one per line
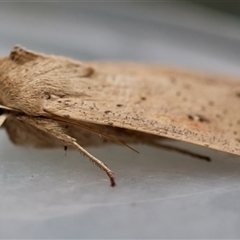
column 52, row 101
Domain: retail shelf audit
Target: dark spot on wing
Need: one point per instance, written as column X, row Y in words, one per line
column 225, row 111
column 107, row 111
column 172, row 80
column 178, row 93
column 238, row 94
column 143, row 98
column 211, row 103
column 186, row 86
column 119, row 105
column 198, row 117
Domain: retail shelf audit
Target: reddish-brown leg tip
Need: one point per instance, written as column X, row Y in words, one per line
column 113, row 183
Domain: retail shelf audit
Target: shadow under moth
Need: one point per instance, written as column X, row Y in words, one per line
column 52, row 101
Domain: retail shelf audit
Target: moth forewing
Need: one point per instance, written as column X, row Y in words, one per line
column 188, row 109
column 126, row 102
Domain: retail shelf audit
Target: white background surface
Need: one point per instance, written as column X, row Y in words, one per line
column 159, row 194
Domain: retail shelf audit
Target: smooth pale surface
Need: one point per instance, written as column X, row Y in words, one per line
column 160, row 194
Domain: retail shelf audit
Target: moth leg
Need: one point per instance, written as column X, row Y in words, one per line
column 58, row 131
column 3, row 118
column 182, row 151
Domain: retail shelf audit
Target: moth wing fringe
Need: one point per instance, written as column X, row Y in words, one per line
column 182, row 151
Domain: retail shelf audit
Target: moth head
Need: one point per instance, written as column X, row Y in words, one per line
column 25, row 77
column 13, row 77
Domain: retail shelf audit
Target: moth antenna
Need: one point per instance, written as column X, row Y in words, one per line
column 182, row 151
column 97, row 162
column 94, row 131
column 8, row 108
column 107, row 136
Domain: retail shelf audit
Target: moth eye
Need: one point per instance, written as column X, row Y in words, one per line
column 197, row 117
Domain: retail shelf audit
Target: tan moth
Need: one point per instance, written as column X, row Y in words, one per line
column 50, row 101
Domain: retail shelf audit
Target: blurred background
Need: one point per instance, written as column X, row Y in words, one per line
column 160, row 194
